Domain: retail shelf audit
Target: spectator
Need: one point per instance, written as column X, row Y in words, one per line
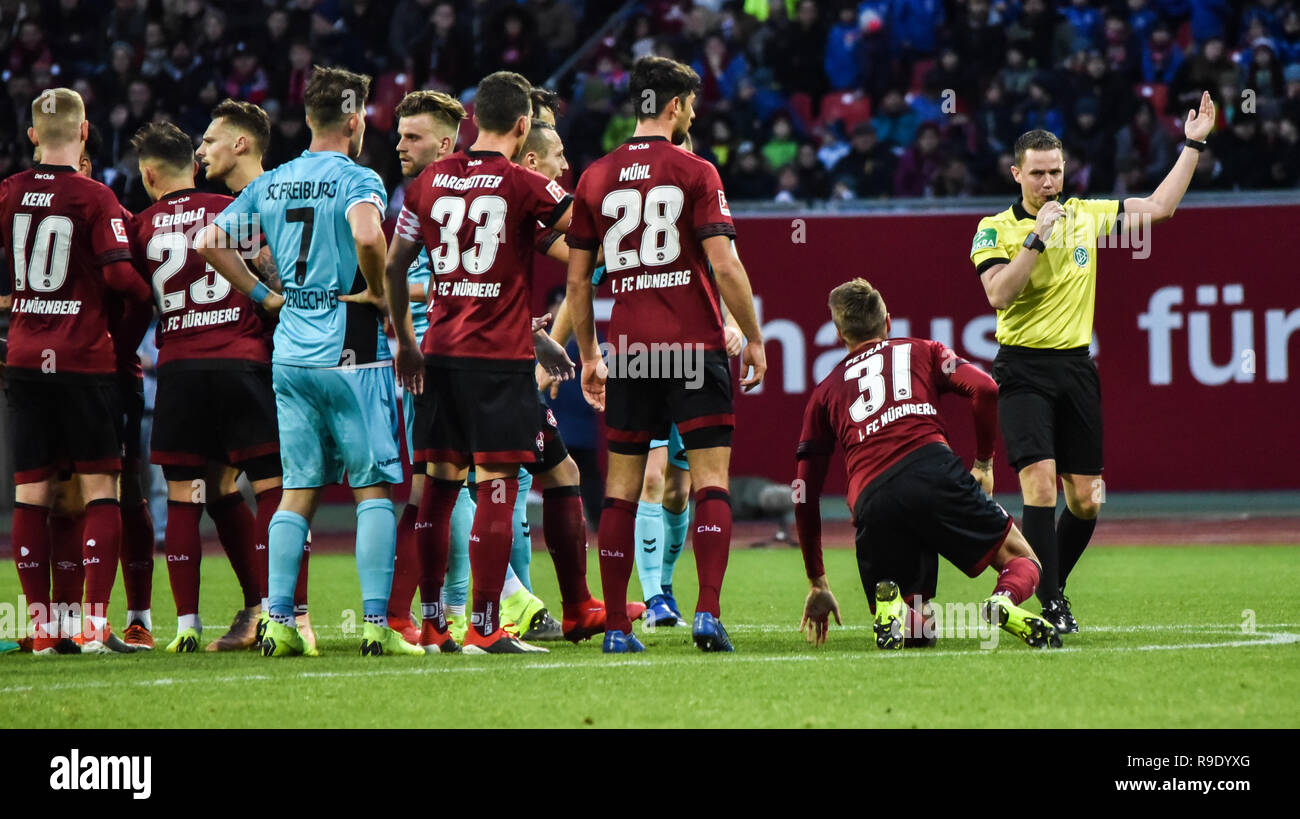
column 955, row 180
column 993, row 119
column 1210, row 173
column 919, row 165
column 980, row 45
column 1121, row 49
column 1161, row 56
column 1040, row 110
column 246, row 80
column 1284, row 170
column 1016, row 74
column 787, row 185
column 1209, row 19
column 1262, row 73
column 1085, row 21
column 722, row 143
column 842, row 63
column 780, row 150
column 619, row 128
column 213, row 46
column 869, row 165
column 1264, row 14
column 748, row 179
column 794, row 53
column 929, row 105
column 1099, row 82
column 1244, row 153
column 1093, row 150
column 814, row 183
column 119, row 73
column 30, row 50
column 557, row 28
column 125, row 22
column 512, row 44
column 366, row 23
column 1046, row 39
column 913, row 27
column 410, row 25
column 1142, row 19
column 1144, row 149
column 954, row 73
column 1291, row 103
column 720, row 72
column 1209, row 68
column 293, row 83
column 1288, row 44
column 75, row 30
column 896, row 123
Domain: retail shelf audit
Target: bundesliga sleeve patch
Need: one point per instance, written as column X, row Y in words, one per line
column 722, row 203
column 119, row 229
column 986, row 239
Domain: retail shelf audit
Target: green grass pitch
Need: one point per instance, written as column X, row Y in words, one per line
column 1166, row 642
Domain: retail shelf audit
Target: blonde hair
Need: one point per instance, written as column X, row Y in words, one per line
column 858, row 311
column 57, row 115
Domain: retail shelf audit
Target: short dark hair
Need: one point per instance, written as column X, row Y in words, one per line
column 165, row 143
column 248, row 118
column 545, row 98
column 334, row 94
column 94, row 141
column 656, row 80
column 1036, row 140
column 858, row 311
column 502, row 98
column 442, row 107
column 536, row 138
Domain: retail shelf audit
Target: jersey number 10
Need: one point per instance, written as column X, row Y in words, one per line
column 871, row 381
column 49, row 261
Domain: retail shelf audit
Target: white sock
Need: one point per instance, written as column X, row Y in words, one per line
column 96, row 623
column 71, row 623
column 266, row 605
column 145, row 617
column 455, row 611
column 189, row 621
column 511, row 586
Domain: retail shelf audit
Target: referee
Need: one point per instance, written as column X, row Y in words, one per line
column 1037, row 261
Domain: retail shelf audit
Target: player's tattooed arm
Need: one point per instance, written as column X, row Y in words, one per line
column 264, row 266
column 738, row 296
column 214, row 245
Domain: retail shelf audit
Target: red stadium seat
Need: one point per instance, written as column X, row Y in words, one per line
column 801, row 108
column 851, row 107
column 1158, row 95
column 919, row 70
column 389, row 90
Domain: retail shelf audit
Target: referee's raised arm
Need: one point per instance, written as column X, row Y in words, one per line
column 1161, row 204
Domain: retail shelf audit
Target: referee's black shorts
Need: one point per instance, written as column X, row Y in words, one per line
column 925, row 505
column 1049, row 406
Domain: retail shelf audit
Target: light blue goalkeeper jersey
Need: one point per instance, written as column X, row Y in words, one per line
column 418, row 273
column 302, row 209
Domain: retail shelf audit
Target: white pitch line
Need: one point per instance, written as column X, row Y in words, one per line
column 1269, row 639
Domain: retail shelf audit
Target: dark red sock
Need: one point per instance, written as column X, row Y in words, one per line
column 433, row 536
column 565, row 531
column 616, row 539
column 101, row 545
column 68, row 574
column 489, row 549
column 137, row 555
column 184, row 552
column 268, row 501
column 712, row 544
column 31, row 545
column 406, row 570
column 237, row 531
column 1018, row 580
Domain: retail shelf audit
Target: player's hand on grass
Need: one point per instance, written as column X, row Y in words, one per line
column 594, row 374
column 1048, row 215
column 753, row 360
column 1200, row 123
column 817, row 611
column 982, row 472
column 735, row 339
column 370, row 297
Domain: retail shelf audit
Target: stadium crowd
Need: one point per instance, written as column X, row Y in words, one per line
column 802, row 100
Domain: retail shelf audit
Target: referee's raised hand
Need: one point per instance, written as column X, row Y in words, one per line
column 1200, row 123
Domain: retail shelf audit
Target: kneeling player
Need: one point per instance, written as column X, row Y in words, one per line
column 909, row 493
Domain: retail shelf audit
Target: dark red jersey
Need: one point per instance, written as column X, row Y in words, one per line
column 66, row 246
column 881, row 402
column 477, row 213
column 128, row 321
column 650, row 205
column 201, row 316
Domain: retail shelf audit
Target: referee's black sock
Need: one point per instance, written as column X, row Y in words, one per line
column 1072, row 536
column 1040, row 530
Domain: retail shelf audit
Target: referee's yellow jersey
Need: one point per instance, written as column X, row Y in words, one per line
column 1054, row 311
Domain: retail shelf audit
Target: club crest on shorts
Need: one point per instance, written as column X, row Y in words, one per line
column 541, row 442
column 550, row 417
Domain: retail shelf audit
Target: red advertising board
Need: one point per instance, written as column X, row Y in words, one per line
column 1197, row 336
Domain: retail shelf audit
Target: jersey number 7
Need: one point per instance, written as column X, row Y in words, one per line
column 308, row 218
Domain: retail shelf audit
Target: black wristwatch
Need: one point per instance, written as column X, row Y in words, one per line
column 1034, row 243
column 1197, row 144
